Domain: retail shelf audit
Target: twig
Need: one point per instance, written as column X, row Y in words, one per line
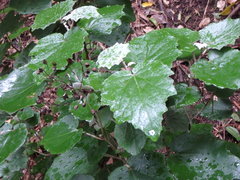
column 205, row 10
column 234, row 11
column 93, row 136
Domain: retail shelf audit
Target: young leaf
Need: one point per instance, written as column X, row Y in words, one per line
column 113, row 55
column 60, row 137
column 11, row 140
column 86, row 12
column 218, row 35
column 139, row 97
column 222, row 72
column 156, row 46
column 185, row 38
column 56, row 48
column 51, row 15
column 132, row 140
column 70, row 163
column 234, row 132
column 18, row 90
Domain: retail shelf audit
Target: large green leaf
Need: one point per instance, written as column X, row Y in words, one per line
column 139, row 96
column 222, row 72
column 198, row 155
column 132, row 140
column 51, row 15
column 70, row 163
column 113, row 55
column 185, row 38
column 56, row 48
column 218, row 35
column 154, row 46
column 60, row 137
column 11, row 140
column 13, row 163
column 30, row 6
column 18, row 90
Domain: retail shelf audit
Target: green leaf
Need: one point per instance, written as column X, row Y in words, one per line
column 118, row 35
column 106, row 23
column 83, row 177
column 11, row 140
column 25, row 114
column 217, row 110
column 114, row 12
column 217, row 71
column 18, row 90
column 83, row 109
column 103, row 25
column 198, row 155
column 57, row 48
column 18, row 32
column 132, row 140
column 186, row 95
column 13, row 163
column 105, row 116
column 51, row 15
column 90, row 145
column 143, row 166
column 113, row 55
column 234, row 132
column 70, row 163
column 10, row 23
column 95, row 80
column 23, row 58
column 30, row 6
column 86, row 12
column 218, row 35
column 139, row 96
column 150, row 164
column 154, row 46
column 185, row 38
column 177, row 120
column 60, row 137
column 124, row 173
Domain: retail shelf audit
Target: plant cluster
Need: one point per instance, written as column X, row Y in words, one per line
column 73, row 109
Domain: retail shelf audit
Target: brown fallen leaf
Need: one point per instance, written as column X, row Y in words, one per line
column 204, row 22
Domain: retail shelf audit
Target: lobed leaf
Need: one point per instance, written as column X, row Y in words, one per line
column 222, row 72
column 57, row 48
column 51, row 15
column 139, row 97
column 218, row 35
